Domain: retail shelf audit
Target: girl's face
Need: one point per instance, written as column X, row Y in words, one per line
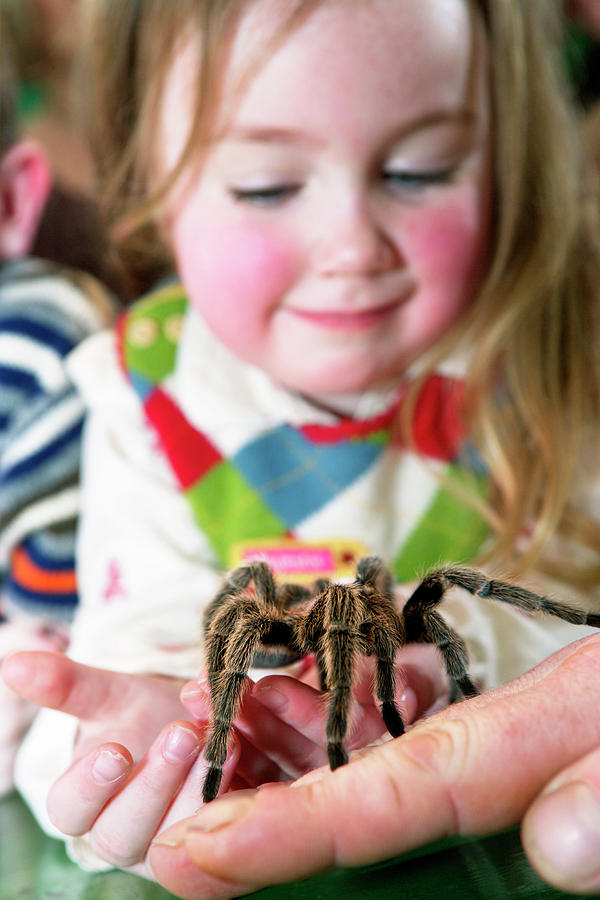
column 339, row 225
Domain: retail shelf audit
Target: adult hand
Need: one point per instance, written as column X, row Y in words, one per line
column 526, row 751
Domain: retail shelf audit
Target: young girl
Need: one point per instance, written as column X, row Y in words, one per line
column 382, row 338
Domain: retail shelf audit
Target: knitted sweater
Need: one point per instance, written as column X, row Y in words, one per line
column 45, row 312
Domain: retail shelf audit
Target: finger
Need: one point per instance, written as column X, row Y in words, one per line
column 255, row 767
column 173, row 868
column 306, row 710
column 421, row 682
column 561, row 831
column 189, row 799
column 125, row 826
column 283, row 750
column 268, row 731
column 55, row 681
column 464, row 774
column 75, row 800
column 196, row 697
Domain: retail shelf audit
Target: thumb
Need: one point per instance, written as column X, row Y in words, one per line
column 371, row 809
column 561, row 831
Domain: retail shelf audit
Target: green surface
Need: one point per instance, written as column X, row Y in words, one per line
column 35, row 866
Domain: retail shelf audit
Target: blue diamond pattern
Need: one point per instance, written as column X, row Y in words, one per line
column 296, row 477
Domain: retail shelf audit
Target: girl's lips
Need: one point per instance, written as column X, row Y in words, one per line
column 350, row 320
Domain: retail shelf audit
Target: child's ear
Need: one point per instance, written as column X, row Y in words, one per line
column 25, row 182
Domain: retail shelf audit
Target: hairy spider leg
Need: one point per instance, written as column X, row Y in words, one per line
column 386, row 634
column 422, row 624
column 480, row 586
column 425, row 626
column 331, row 630
column 238, row 580
column 371, row 572
column 234, row 633
column 386, row 639
column 319, row 587
column 227, row 682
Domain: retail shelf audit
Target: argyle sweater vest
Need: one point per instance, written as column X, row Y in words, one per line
column 254, row 502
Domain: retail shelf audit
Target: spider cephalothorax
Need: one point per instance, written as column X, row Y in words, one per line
column 253, row 621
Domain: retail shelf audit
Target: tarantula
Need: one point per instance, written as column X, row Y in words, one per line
column 253, row 621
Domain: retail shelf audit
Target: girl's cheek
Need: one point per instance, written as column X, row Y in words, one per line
column 235, row 277
column 449, row 244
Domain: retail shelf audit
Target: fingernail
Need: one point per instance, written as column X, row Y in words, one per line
column 225, row 811
column 564, row 829
column 172, row 837
column 272, row 699
column 196, row 689
column 109, row 766
column 167, row 842
column 180, row 744
column 409, row 704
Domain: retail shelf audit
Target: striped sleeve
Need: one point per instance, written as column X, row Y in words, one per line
column 43, row 316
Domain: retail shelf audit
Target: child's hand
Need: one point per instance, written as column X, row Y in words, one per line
column 281, row 727
column 137, row 763
column 136, row 768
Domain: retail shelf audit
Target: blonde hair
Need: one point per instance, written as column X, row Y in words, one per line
column 535, row 325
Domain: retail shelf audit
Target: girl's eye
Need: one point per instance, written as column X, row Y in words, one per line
column 265, row 196
column 410, row 181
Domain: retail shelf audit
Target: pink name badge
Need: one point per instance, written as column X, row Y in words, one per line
column 303, row 562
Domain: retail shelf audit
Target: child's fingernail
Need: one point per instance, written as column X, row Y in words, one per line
column 195, row 690
column 564, row 827
column 225, row 811
column 272, row 699
column 180, row 744
column 109, row 766
column 409, row 705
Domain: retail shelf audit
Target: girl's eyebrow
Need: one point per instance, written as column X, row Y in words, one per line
column 465, row 117
column 265, row 135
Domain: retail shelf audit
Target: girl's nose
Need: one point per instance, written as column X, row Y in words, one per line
column 353, row 243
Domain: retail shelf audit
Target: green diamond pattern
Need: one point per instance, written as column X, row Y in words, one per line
column 229, row 511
